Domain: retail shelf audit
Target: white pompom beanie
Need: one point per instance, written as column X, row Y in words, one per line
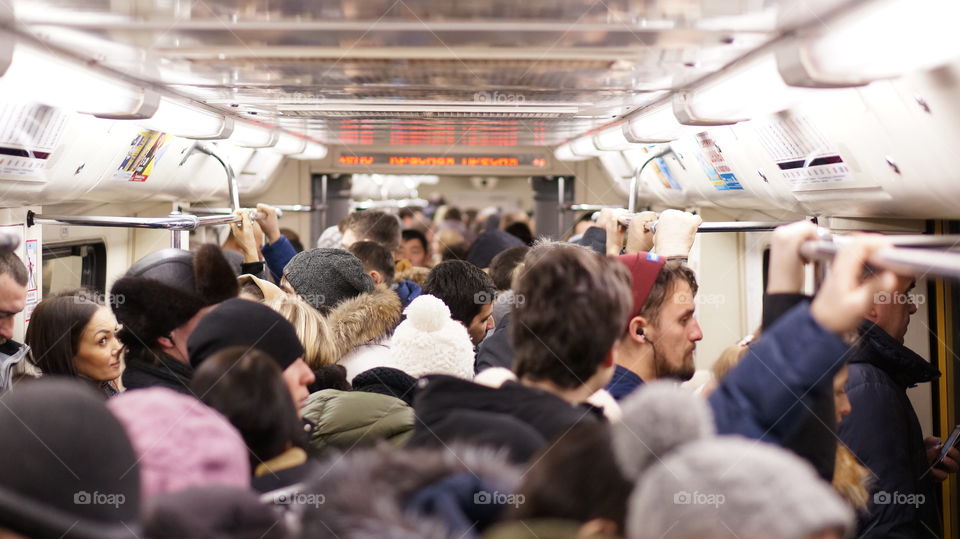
column 430, row 342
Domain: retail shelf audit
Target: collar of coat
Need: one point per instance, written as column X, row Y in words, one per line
column 367, row 317
column 881, row 350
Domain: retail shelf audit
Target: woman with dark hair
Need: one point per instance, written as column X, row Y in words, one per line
column 74, row 334
column 247, row 387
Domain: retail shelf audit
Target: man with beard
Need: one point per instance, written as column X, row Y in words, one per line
column 661, row 334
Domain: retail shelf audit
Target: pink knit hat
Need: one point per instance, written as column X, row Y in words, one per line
column 180, row 441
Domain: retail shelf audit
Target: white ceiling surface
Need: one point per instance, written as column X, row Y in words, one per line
column 417, row 72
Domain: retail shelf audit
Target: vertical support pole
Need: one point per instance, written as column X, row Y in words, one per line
column 632, row 199
column 561, row 185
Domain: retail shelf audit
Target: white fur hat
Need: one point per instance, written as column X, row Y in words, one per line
column 430, row 342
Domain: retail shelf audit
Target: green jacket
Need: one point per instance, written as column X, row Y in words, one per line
column 345, row 419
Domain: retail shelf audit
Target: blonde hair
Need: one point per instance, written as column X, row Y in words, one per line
column 311, row 327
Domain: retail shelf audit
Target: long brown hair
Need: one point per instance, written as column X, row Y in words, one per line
column 55, row 329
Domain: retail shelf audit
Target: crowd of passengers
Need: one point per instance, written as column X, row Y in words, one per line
column 442, row 374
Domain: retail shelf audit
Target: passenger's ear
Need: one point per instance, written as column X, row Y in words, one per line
column 598, row 527
column 165, row 342
column 636, row 329
column 375, row 275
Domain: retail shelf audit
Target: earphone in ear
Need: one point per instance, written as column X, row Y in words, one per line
column 640, row 332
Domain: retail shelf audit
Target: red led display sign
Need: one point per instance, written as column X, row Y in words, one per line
column 440, row 160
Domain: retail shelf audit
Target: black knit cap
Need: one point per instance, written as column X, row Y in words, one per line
column 240, row 322
column 387, row 381
column 67, row 468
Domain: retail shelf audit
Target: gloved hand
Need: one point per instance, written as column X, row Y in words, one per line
column 610, row 221
column 638, row 237
column 676, row 231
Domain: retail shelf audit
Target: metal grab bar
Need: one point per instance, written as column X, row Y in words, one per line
column 173, row 222
column 902, row 261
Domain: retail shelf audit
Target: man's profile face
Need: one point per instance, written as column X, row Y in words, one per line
column 13, row 297
column 892, row 312
column 481, row 324
column 674, row 334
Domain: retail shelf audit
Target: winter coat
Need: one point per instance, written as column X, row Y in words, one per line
column 277, row 255
column 521, row 419
column 623, row 383
column 882, row 430
column 758, row 398
column 344, row 419
column 496, row 350
column 165, row 371
column 362, row 327
column 283, row 471
column 386, row 493
column 11, row 354
column 212, row 512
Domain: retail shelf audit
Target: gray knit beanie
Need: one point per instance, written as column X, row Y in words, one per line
column 691, row 483
column 734, row 487
column 324, row 277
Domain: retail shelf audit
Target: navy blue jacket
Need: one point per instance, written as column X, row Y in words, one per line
column 882, row 430
column 277, row 255
column 767, row 396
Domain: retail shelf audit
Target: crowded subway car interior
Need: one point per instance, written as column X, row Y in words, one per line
column 417, row 268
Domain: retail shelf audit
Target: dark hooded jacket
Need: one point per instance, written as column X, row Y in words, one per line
column 883, row 431
column 165, row 371
column 521, row 419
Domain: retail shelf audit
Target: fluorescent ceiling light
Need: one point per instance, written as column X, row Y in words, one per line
column 288, row 144
column 248, row 135
column 189, row 122
column 312, row 151
column 563, row 153
column 584, row 147
column 37, row 77
column 753, row 90
column 658, row 125
column 882, row 40
column 612, row 139
column 452, row 106
column 617, row 165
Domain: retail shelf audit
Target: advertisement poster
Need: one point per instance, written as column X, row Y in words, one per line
column 31, row 260
column 29, row 133
column 715, row 166
column 145, row 149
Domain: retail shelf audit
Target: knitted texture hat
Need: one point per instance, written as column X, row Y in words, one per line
column 67, row 468
column 430, row 342
column 692, row 483
column 181, row 442
column 324, row 277
column 240, row 322
column 387, row 381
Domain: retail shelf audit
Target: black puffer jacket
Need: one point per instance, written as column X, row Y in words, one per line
column 163, row 372
column 882, row 430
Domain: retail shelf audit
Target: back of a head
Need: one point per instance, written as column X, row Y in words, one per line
column 375, row 257
column 490, row 244
column 180, row 441
column 376, row 226
column 430, row 342
column 502, row 266
column 311, row 327
column 324, row 277
column 577, row 478
column 567, row 293
column 67, row 468
column 463, row 287
column 247, row 387
column 734, row 487
column 213, row 512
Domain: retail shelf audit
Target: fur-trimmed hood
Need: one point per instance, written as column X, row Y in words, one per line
column 374, row 493
column 367, row 317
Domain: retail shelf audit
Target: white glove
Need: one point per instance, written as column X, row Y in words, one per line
column 676, row 231
column 638, row 237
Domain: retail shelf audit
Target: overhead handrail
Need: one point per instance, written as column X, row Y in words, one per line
column 171, row 222
column 389, row 203
column 902, row 261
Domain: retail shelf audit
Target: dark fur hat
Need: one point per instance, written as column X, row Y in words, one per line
column 150, row 308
